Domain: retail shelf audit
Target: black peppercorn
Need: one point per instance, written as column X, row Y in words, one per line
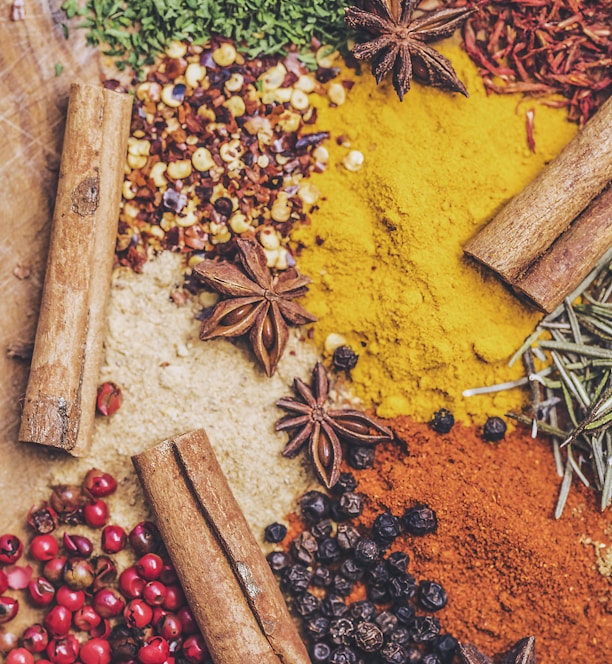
column 401, row 635
column 377, row 594
column 397, row 562
column 405, row 613
column 367, row 552
column 394, row 653
column 386, row 621
column 425, row 628
column 329, row 551
column 322, row 577
column 350, row 505
column 341, row 631
column 278, row 560
column 320, row 653
column 378, row 575
column 363, row 610
column 333, row 606
column 445, row 647
column 386, row 528
column 347, row 536
column 360, row 457
column 432, row 596
column 317, row 628
column 342, row 586
column 224, row 206
column 494, row 429
column 275, row 532
column 344, row 358
column 306, row 605
column 442, row 421
column 304, row 547
column 296, row 579
column 413, row 656
column 431, row 658
column 401, row 588
column 368, row 637
column 346, row 482
column 314, row 505
column 322, row 529
column 343, row 655
column 420, row 520
column 351, row 570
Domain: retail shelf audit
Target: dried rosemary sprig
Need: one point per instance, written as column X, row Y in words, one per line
column 577, row 406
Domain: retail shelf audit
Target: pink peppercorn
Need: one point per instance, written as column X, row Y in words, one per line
column 95, row 651
column 86, row 618
column 53, row 570
column 154, row 651
column 114, row 539
column 58, row 621
column 175, row 598
column 169, row 626
column 194, row 649
column 11, row 549
column 3, row 582
column 149, row 566
column 131, row 584
column 41, row 591
column 102, row 630
column 108, row 602
column 64, row 650
column 73, row 600
column 99, row 484
column 187, row 621
column 44, row 547
column 19, row 656
column 77, row 545
column 9, row 608
column 154, row 593
column 95, row 513
column 137, row 613
column 35, row 638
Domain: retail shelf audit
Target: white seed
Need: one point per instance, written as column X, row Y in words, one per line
column 186, row 220
column 299, row 100
column 326, row 56
column 336, row 94
column 273, row 78
column 225, row 55
column 282, row 95
column 156, row 232
column 157, row 174
column 234, row 82
column 127, row 191
column 202, row 159
column 263, row 161
column 236, row 106
column 222, row 238
column 136, row 161
column 167, row 221
column 138, row 147
column 192, row 139
column 239, row 223
column 182, row 350
column 281, row 210
column 282, row 259
column 269, row 238
column 130, row 210
column 176, row 49
column 271, row 257
column 288, row 121
column 194, row 74
column 168, row 97
column 308, row 193
column 231, row 151
column 206, row 113
column 320, row 154
column 334, row 341
column 172, row 125
column 179, row 170
column 305, row 83
column 208, row 299
column 353, row 160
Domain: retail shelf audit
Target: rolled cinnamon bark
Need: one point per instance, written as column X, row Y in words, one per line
column 570, row 259
column 227, row 581
column 60, row 399
column 529, row 224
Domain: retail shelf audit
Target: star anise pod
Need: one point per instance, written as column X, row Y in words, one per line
column 395, row 41
column 522, row 652
column 312, row 421
column 258, row 302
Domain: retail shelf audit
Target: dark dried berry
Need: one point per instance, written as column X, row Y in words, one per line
column 343, row 655
column 320, row 653
column 317, row 628
column 341, row 631
column 360, row 457
column 333, row 606
column 278, row 560
column 368, row 636
column 344, row 358
column 445, row 646
column 378, row 594
column 342, row 586
column 397, row 562
column 425, row 628
column 386, row 528
column 43, row 519
column 363, row 610
column 314, row 505
column 394, row 653
column 329, row 551
column 347, row 536
column 378, row 575
column 350, row 504
column 420, row 520
column 405, row 613
column 346, row 482
column 275, row 532
column 322, row 577
column 401, row 588
column 322, row 529
column 351, row 570
column 304, row 547
column 296, row 579
column 367, row 552
column 387, row 622
column 400, row 635
column 494, row 429
column 431, row 658
column 432, row 596
column 443, row 421
column 306, row 605
column 274, row 182
column 224, row 206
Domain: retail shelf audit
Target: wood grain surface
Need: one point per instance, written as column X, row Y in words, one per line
column 33, row 104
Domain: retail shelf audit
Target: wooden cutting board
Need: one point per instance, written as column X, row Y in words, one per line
column 33, row 101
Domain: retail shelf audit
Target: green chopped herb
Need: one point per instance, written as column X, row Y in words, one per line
column 59, row 68
column 138, row 30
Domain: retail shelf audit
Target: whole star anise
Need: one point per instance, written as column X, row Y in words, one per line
column 257, row 302
column 312, row 421
column 395, row 41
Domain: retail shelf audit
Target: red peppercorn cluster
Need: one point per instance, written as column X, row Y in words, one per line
column 92, row 612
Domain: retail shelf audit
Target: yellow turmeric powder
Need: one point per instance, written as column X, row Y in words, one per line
column 386, row 261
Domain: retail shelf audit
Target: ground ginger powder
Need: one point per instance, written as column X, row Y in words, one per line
column 385, row 248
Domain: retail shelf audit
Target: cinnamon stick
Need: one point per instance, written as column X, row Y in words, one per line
column 529, row 224
column 570, row 259
column 60, row 399
column 227, row 581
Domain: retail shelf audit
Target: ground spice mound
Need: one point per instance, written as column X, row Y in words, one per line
column 509, row 568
